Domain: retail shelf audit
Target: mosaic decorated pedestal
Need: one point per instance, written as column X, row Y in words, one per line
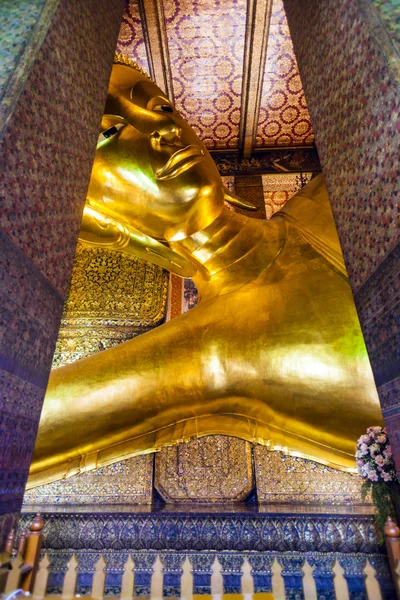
column 292, row 480
column 212, row 469
column 307, row 512
column 126, row 482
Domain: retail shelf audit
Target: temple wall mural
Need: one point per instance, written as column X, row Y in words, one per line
column 342, row 124
column 23, row 28
column 284, row 119
column 131, row 36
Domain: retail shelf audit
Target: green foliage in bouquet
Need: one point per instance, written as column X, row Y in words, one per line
column 386, row 499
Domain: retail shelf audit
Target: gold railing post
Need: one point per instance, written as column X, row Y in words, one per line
column 32, row 552
column 392, row 541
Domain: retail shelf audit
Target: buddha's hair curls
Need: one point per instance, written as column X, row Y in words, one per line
column 121, row 59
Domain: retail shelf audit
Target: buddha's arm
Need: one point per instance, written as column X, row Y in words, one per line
column 120, row 398
column 100, row 229
column 310, row 212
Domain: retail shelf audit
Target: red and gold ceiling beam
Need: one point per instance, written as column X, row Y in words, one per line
column 155, row 36
column 255, row 53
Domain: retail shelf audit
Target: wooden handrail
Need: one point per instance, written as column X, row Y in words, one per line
column 31, row 555
column 392, row 541
column 5, row 560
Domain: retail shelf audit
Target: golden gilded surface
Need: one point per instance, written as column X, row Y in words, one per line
column 288, row 479
column 112, row 298
column 125, row 482
column 211, row 469
column 273, row 353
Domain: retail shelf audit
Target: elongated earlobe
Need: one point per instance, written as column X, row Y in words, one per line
column 236, row 201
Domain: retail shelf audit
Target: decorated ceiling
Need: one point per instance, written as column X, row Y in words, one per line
column 284, row 118
column 201, row 53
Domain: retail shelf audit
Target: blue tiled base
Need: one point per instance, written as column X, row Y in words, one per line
column 319, row 538
column 261, row 562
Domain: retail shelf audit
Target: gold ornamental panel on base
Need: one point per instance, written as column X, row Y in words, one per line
column 210, row 469
column 281, row 478
column 112, row 298
column 126, row 482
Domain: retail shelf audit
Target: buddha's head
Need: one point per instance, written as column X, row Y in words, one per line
column 150, row 168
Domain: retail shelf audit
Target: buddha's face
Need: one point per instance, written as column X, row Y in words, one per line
column 152, row 171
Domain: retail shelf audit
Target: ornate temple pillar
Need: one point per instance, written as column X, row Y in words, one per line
column 349, row 65
column 52, row 94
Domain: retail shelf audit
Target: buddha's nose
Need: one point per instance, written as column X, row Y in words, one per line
column 169, row 134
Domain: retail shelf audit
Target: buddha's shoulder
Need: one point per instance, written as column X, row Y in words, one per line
column 310, row 212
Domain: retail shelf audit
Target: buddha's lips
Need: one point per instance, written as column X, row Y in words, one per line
column 180, row 161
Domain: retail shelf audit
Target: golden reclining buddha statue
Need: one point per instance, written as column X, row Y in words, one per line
column 273, row 353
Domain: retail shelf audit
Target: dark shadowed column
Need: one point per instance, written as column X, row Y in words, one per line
column 47, row 147
column 350, row 69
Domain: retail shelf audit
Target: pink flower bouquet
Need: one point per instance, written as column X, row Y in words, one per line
column 374, row 456
column 376, row 466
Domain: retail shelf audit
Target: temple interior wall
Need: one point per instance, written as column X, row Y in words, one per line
column 112, row 298
column 46, row 150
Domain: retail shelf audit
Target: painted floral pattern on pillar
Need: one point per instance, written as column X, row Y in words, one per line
column 131, row 38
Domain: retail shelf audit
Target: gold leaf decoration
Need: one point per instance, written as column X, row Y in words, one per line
column 112, row 298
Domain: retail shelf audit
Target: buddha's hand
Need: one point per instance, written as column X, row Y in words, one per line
column 101, row 229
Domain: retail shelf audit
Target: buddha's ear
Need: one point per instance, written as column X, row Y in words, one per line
column 236, row 201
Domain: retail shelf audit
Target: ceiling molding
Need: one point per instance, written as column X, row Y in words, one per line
column 255, row 53
column 155, row 38
column 277, row 160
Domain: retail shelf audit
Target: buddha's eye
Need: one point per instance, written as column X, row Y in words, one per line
column 164, row 108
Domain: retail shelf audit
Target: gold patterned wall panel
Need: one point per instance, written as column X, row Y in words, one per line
column 112, row 298
column 279, row 188
column 210, row 469
column 131, row 37
column 126, row 482
column 206, row 45
column 292, row 480
column 284, row 118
